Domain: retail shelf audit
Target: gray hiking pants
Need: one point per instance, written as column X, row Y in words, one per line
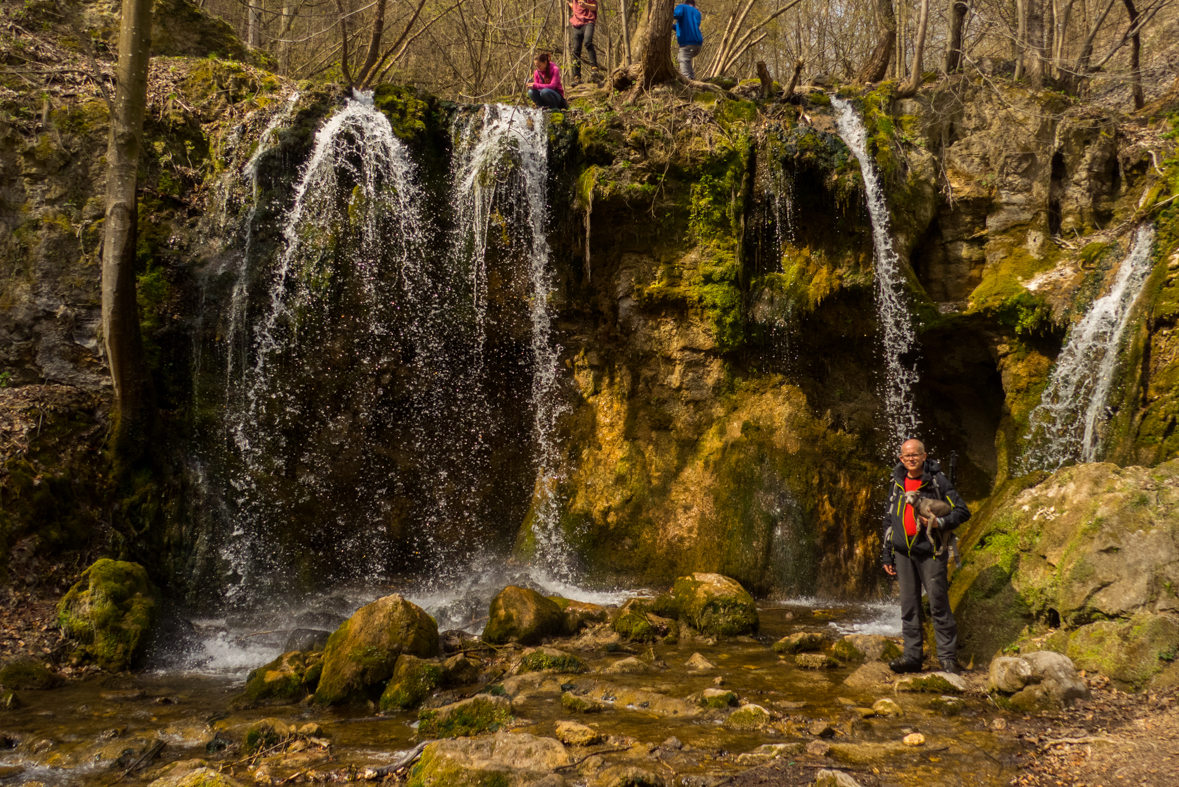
column 685, row 55
column 913, row 573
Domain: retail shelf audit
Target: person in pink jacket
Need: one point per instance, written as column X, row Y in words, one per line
column 545, row 89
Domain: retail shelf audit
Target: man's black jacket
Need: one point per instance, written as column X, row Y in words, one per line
column 933, row 484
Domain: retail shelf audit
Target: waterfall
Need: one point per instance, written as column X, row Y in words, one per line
column 1065, row 426
column 896, row 327
column 502, row 167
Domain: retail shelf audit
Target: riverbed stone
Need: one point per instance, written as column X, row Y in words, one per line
column 626, row 698
column 1129, row 652
column 23, row 674
column 109, row 613
column 579, row 704
column 887, row 707
column 287, row 679
column 749, row 717
column 550, row 660
column 830, row 778
column 413, row 680
column 522, row 615
column 870, row 676
column 361, row 655
column 580, row 614
column 934, row 682
column 458, row 670
column 306, row 639
column 697, row 663
column 715, row 605
column 914, row 739
column 631, row 665
column 1041, row 680
column 717, row 698
column 500, row 760
column 201, row 777
column 633, row 621
column 800, row 642
column 573, row 734
column 472, row 716
column 815, row 661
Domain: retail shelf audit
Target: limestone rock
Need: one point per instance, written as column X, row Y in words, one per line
column 28, row 674
column 829, row 778
column 579, row 704
column 524, row 616
column 914, row 739
column 550, row 660
column 458, row 670
column 818, row 748
column 715, row 605
column 478, row 714
column 628, row 666
column 874, row 647
column 413, row 680
column 815, row 661
column 768, row 752
column 633, row 621
column 579, row 614
column 697, row 663
column 887, row 707
column 872, row 675
column 109, row 613
column 717, row 698
column 287, row 679
column 1129, row 652
column 306, row 639
column 201, row 777
column 800, row 642
column 821, row 729
column 1035, row 681
column 935, row 682
column 749, row 717
column 624, row 697
column 266, row 733
column 845, row 650
column 360, row 656
column 947, row 705
column 573, row 734
column 512, row 760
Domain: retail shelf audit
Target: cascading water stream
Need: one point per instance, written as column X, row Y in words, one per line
column 896, row 327
column 1065, row 426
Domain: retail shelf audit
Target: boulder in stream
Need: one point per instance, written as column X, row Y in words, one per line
column 413, row 680
column 749, row 717
column 550, row 660
column 478, row 714
column 287, row 679
column 579, row 614
column 200, row 777
column 715, row 605
column 360, row 656
column 800, row 642
column 25, row 674
column 522, row 615
column 109, row 613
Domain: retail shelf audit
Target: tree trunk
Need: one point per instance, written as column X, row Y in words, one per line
column 1135, row 56
column 284, row 44
column 877, row 66
column 958, row 11
column 1021, row 37
column 652, row 48
column 914, row 80
column 626, row 30
column 134, row 400
column 253, row 24
column 1034, row 51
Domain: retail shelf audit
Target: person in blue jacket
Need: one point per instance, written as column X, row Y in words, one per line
column 687, row 35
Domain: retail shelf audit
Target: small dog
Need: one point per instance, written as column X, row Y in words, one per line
column 926, row 508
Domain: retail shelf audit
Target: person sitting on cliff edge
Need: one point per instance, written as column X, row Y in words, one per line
column 912, row 558
column 545, row 87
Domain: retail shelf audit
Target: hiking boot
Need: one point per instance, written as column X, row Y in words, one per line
column 951, row 666
column 905, row 665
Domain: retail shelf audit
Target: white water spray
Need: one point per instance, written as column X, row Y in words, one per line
column 1066, row 426
column 892, row 306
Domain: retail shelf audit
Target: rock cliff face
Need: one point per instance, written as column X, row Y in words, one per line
column 714, row 308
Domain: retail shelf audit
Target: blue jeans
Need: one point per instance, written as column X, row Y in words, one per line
column 547, row 98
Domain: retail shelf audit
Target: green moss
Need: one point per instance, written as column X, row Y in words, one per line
column 891, row 651
column 845, row 651
column 287, row 679
column 437, row 770
column 635, row 627
column 413, row 680
column 471, row 717
column 25, row 674
column 109, row 613
column 264, row 734
column 578, row 704
column 718, row 699
column 540, row 661
column 407, row 108
column 749, row 717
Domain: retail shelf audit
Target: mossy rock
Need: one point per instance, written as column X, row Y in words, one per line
column 266, row 734
column 23, row 674
column 9, row 700
column 108, row 615
column 458, row 670
column 550, row 660
column 800, row 642
column 846, row 651
column 749, row 717
column 287, row 679
column 579, row 614
column 413, row 680
column 936, row 683
column 815, row 661
column 1129, row 652
column 200, row 777
column 479, row 714
column 181, row 29
column 716, row 698
column 716, row 605
column 891, row 651
column 437, row 770
column 522, row 615
column 575, row 703
column 361, row 655
column 634, row 626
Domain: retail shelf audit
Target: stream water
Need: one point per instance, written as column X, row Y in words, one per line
column 1066, row 426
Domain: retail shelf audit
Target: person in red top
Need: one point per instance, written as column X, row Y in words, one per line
column 545, row 89
column 913, row 560
column 584, row 15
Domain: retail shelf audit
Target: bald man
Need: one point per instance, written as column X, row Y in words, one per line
column 911, row 557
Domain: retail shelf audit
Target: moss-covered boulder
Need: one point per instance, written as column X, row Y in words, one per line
column 633, row 622
column 200, row 777
column 716, row 605
column 458, row 670
column 1129, row 652
column 473, row 716
column 716, row 698
column 815, row 661
column 579, row 614
column 360, row 656
column 550, row 660
column 749, row 717
column 109, row 613
column 23, row 674
column 524, row 616
column 266, row 734
column 413, row 680
column 500, row 760
column 1090, row 542
column 287, row 679
column 800, row 642
column 576, row 703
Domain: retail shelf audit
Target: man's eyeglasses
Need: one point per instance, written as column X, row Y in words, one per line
column 911, row 456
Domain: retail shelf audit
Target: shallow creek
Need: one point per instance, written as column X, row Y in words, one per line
column 91, row 731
